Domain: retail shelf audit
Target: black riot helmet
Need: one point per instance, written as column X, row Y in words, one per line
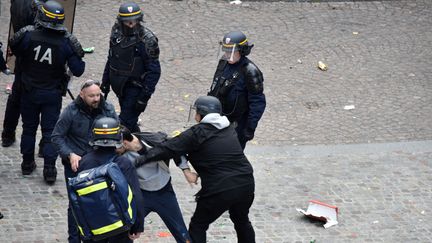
column 51, row 15
column 106, row 133
column 130, row 11
column 207, row 104
column 236, row 41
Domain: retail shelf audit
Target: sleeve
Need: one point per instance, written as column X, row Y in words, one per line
column 105, row 76
column 152, row 73
column 74, row 56
column 256, row 98
column 58, row 137
column 132, row 178
column 176, row 146
column 183, row 163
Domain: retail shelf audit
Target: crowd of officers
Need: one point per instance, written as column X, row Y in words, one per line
column 47, row 55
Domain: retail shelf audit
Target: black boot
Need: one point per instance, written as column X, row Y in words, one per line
column 27, row 167
column 8, row 139
column 50, row 175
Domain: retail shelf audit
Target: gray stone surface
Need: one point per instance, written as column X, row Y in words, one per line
column 373, row 162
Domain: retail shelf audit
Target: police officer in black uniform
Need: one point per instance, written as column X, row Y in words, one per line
column 23, row 13
column 238, row 84
column 133, row 67
column 44, row 50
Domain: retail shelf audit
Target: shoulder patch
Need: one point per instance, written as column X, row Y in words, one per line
column 151, row 43
column 20, row 34
column 254, row 78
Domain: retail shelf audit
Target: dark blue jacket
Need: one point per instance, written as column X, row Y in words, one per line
column 72, row 131
column 100, row 157
column 51, row 60
column 252, row 104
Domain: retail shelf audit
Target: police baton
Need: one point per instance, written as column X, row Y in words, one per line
column 70, row 94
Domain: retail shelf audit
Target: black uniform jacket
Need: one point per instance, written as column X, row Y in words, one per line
column 214, row 153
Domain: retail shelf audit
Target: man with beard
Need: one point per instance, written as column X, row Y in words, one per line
column 72, row 134
column 132, row 69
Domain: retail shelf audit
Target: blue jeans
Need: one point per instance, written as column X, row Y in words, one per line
column 39, row 106
column 164, row 203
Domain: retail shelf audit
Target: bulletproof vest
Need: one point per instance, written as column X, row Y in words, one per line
column 234, row 104
column 125, row 65
column 43, row 64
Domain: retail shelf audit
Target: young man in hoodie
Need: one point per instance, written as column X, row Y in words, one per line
column 227, row 182
column 155, row 181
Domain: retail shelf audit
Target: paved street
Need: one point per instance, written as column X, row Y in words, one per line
column 373, row 161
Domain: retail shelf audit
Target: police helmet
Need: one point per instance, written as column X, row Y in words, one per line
column 238, row 41
column 106, row 133
column 51, row 15
column 130, row 11
column 207, row 104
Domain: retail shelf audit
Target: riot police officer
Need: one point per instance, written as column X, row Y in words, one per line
column 238, row 84
column 23, row 13
column 132, row 69
column 44, row 50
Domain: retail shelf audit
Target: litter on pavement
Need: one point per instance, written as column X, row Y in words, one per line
column 322, row 212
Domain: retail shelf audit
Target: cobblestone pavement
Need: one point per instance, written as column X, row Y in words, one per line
column 379, row 59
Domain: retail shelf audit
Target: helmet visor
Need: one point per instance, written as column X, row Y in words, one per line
column 191, row 116
column 227, row 52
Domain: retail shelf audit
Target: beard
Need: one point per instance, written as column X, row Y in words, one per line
column 94, row 104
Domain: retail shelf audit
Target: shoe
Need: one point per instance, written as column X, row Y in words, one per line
column 50, row 175
column 28, row 167
column 8, row 140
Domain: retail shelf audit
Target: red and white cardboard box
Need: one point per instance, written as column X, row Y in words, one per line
column 321, row 211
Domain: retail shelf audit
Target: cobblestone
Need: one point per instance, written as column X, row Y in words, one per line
column 376, row 162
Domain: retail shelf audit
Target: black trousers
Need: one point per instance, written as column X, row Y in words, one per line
column 236, row 201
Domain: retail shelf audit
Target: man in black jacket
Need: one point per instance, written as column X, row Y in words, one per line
column 106, row 138
column 227, row 182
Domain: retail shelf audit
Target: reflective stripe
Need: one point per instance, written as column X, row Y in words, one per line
column 80, row 229
column 53, row 15
column 231, row 45
column 92, row 188
column 130, row 201
column 106, row 130
column 130, row 14
column 108, row 228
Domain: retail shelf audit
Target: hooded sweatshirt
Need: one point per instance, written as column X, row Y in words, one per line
column 215, row 153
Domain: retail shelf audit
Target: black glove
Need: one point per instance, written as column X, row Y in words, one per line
column 248, row 133
column 105, row 88
column 140, row 160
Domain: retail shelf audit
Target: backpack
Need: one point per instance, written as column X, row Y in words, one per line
column 102, row 202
